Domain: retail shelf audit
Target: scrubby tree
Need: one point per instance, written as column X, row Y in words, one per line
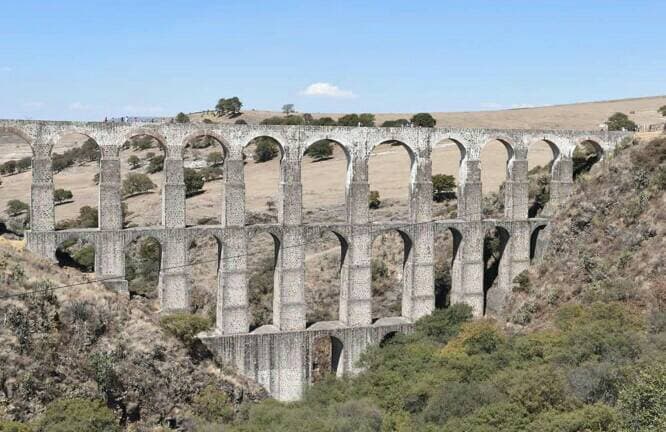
column 8, row 167
column 290, row 119
column 265, row 150
column 229, row 106
column 194, row 181
column 137, row 183
column 373, row 200
column 134, row 162
column 156, row 164
column 324, row 121
column 215, row 158
column 620, row 121
column 320, row 150
column 88, row 217
column 16, row 207
column 24, row 164
column 62, row 195
column 288, row 108
column 443, row 187
column 396, row 123
column 240, row 122
column 349, row 120
column 662, row 110
column 423, row 120
column 181, row 117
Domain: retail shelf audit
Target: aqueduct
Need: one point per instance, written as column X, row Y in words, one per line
column 278, row 356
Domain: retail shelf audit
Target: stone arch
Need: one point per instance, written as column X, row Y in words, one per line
column 143, row 265
column 11, row 130
column 494, row 173
column 76, row 168
column 144, row 208
column 494, row 246
column 448, row 156
column 280, row 141
column 262, row 180
column 17, row 163
column 323, row 264
column 388, row 338
column 446, row 255
column 326, row 357
column 330, row 175
column 206, row 163
column 391, row 180
column 391, row 251
column 76, row 251
column 204, row 252
column 261, row 263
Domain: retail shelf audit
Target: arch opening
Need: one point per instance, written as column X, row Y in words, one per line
column 388, row 339
column 390, row 252
column 390, row 171
column 494, row 244
column 541, row 156
column 203, row 163
column 537, row 246
column 15, row 183
column 447, row 245
column 142, row 180
column 143, row 263
column 75, row 164
column 324, row 173
column 495, row 156
column 261, row 260
column 262, row 156
column 76, row 253
column 323, row 262
column 327, row 354
column 204, row 264
column 447, row 157
column 585, row 155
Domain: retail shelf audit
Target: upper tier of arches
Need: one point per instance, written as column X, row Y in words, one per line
column 293, row 141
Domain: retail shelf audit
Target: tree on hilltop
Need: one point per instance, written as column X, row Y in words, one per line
column 423, row 120
column 62, row 195
column 288, row 108
column 662, row 110
column 181, row 117
column 229, row 106
column 620, row 121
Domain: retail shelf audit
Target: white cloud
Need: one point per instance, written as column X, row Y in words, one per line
column 33, row 104
column 78, row 106
column 5, row 69
column 327, row 90
column 499, row 106
column 143, row 109
column 517, row 106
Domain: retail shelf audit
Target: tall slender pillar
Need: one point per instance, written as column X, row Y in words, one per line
column 175, row 294
column 232, row 296
column 469, row 265
column 418, row 297
column 289, row 286
column 109, row 250
column 42, row 215
column 356, row 276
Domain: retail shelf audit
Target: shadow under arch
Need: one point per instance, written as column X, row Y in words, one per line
column 204, row 253
column 537, row 245
column 77, row 253
column 494, row 246
column 446, row 272
column 143, row 265
column 542, row 155
column 586, row 154
column 326, row 358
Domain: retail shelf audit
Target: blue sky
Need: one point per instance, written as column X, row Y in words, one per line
column 88, row 59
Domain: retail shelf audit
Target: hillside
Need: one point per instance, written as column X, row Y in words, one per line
column 582, row 116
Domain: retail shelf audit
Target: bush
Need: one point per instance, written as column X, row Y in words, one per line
column 85, row 257
column 194, row 181
column 181, row 117
column 75, row 415
column 137, row 183
column 324, row 121
column 522, row 282
column 443, row 186
column 185, row 326
column 61, row 195
column 213, row 405
column 320, row 150
column 373, row 200
column 642, row 401
column 265, row 150
column 423, row 120
column 8, row 167
column 134, row 162
column 365, row 119
column 444, row 324
column 620, row 121
column 24, row 164
column 396, row 123
column 155, row 164
column 455, row 399
column 12, row 426
column 215, row 158
column 88, row 217
column 16, row 207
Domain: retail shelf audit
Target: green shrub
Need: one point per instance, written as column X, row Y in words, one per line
column 423, row 120
column 454, row 399
column 137, row 183
column 16, row 207
column 76, row 415
column 12, row 426
column 320, row 150
column 265, row 150
column 592, row 418
column 444, row 324
column 642, row 401
column 522, row 282
column 185, row 326
column 443, row 186
column 194, row 181
column 155, row 164
column 213, row 405
column 181, row 117
column 374, row 202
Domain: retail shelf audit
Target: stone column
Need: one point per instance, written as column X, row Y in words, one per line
column 289, row 287
column 418, row 296
column 356, row 276
column 232, row 303
column 42, row 215
column 175, row 293
column 516, row 190
column 110, row 247
column 561, row 183
column 469, row 265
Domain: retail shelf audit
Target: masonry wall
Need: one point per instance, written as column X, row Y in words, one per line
column 278, row 359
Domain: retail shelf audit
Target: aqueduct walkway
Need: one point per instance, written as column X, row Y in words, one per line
column 278, row 356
